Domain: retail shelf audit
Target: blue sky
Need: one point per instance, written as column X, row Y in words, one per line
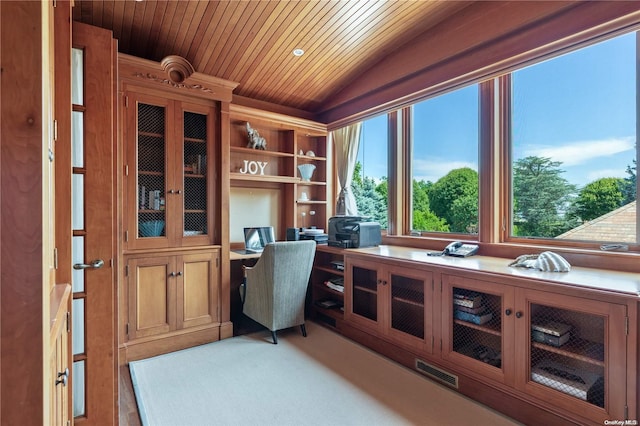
column 578, row 109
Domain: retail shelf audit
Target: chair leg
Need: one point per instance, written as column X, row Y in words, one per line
column 304, row 330
column 275, row 339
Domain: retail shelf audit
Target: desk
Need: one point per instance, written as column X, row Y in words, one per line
column 241, row 255
column 241, row 323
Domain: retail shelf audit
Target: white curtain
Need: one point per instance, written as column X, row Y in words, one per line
column 346, row 142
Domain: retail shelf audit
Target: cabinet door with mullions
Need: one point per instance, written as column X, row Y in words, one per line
column 148, row 154
column 476, row 316
column 572, row 353
column 195, row 150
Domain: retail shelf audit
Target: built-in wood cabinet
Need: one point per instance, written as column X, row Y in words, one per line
column 169, row 172
column 290, row 143
column 172, row 292
column 393, row 300
column 564, row 343
column 174, row 138
column 563, row 365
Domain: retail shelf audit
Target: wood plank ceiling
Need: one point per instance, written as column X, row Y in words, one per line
column 251, row 42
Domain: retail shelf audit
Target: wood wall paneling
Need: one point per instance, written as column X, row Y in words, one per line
column 22, row 133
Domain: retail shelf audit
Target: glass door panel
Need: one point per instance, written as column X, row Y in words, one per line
column 365, row 293
column 568, row 352
column 407, row 305
column 151, row 146
column 195, row 174
column 477, row 325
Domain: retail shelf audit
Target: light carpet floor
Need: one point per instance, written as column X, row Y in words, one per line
column 323, row 379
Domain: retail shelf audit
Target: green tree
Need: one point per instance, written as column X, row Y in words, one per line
column 541, row 195
column 598, row 198
column 454, row 197
column 423, row 218
column 629, row 188
column 369, row 197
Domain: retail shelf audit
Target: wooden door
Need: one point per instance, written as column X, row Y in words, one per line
column 362, row 297
column 487, row 346
column 595, row 351
column 152, row 296
column 150, row 195
column 409, row 302
column 197, row 289
column 94, row 372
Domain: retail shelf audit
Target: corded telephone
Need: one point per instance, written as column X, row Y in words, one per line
column 457, row 249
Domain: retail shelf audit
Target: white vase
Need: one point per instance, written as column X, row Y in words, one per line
column 306, row 171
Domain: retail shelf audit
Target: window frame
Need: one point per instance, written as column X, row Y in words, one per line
column 494, row 168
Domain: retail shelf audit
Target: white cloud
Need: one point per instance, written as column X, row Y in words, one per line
column 431, row 170
column 575, row 153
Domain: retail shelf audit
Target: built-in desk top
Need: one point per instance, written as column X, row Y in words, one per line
column 626, row 283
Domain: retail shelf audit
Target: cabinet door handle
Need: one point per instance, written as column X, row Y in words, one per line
column 179, row 274
column 171, row 191
column 507, row 312
column 172, row 274
column 518, row 314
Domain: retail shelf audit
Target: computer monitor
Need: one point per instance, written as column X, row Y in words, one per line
column 256, row 238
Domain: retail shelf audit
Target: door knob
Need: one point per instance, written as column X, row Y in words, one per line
column 96, row 264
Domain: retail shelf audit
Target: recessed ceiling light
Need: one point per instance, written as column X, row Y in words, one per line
column 298, row 52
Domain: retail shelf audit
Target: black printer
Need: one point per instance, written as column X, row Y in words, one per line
column 353, row 232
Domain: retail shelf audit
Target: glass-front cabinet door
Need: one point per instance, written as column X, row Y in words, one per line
column 147, row 170
column 570, row 352
column 196, row 176
column 476, row 320
column 168, row 172
column 409, row 302
column 362, row 296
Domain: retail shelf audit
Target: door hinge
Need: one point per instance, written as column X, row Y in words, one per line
column 626, row 326
column 126, row 101
column 126, row 236
column 126, row 170
column 126, row 271
column 126, row 329
column 68, row 322
column 55, row 129
column 55, row 258
column 217, row 261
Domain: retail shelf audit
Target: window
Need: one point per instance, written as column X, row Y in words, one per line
column 370, row 176
column 573, row 145
column 444, row 163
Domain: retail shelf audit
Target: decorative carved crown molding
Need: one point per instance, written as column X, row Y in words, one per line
column 172, row 83
column 177, row 68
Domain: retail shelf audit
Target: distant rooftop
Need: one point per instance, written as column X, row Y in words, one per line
column 616, row 226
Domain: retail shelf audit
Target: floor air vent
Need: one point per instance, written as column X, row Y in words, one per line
column 436, row 373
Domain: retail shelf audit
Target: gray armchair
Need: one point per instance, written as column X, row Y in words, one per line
column 275, row 288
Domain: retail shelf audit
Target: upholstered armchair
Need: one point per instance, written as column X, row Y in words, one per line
column 275, row 287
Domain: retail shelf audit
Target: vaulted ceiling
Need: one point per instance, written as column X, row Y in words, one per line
column 251, row 42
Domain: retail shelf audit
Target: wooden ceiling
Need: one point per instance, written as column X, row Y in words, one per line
column 251, row 42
